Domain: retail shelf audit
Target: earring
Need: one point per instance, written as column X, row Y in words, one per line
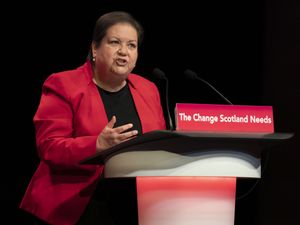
column 94, row 59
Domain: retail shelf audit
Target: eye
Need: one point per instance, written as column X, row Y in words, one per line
column 132, row 46
column 114, row 42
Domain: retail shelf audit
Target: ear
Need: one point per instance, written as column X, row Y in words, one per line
column 94, row 49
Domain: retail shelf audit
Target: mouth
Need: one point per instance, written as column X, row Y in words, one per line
column 121, row 62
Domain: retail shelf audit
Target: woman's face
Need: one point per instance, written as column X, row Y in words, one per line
column 117, row 54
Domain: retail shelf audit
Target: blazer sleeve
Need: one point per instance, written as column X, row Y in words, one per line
column 54, row 128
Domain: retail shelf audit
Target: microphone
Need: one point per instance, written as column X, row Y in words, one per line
column 193, row 76
column 161, row 75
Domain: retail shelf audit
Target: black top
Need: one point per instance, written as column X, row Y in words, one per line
column 121, row 105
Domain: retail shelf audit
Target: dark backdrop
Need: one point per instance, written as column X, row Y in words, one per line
column 248, row 50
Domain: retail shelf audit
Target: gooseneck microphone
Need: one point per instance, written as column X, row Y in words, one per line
column 161, row 75
column 193, row 76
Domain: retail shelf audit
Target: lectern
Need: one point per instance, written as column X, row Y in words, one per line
column 187, row 177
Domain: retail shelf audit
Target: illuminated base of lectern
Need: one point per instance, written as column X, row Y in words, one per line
column 186, row 200
column 173, row 189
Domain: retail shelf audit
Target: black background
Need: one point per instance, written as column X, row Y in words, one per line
column 248, row 50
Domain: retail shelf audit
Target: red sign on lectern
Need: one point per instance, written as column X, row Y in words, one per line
column 224, row 118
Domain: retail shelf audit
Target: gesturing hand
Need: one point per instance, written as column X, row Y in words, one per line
column 111, row 136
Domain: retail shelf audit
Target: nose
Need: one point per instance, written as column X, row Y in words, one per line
column 122, row 50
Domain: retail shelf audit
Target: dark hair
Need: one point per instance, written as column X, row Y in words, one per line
column 109, row 19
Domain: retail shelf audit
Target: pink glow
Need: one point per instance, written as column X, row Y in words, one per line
column 186, row 200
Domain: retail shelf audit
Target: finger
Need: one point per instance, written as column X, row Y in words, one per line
column 112, row 122
column 128, row 135
column 123, row 128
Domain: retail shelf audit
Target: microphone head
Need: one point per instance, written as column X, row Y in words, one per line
column 193, row 76
column 159, row 74
column 190, row 74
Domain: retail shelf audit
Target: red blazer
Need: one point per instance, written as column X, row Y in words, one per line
column 68, row 121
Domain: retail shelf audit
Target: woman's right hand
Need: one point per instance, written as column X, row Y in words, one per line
column 111, row 136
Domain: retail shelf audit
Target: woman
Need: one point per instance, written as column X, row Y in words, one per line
column 87, row 110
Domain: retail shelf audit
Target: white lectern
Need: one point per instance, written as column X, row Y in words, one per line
column 187, row 178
